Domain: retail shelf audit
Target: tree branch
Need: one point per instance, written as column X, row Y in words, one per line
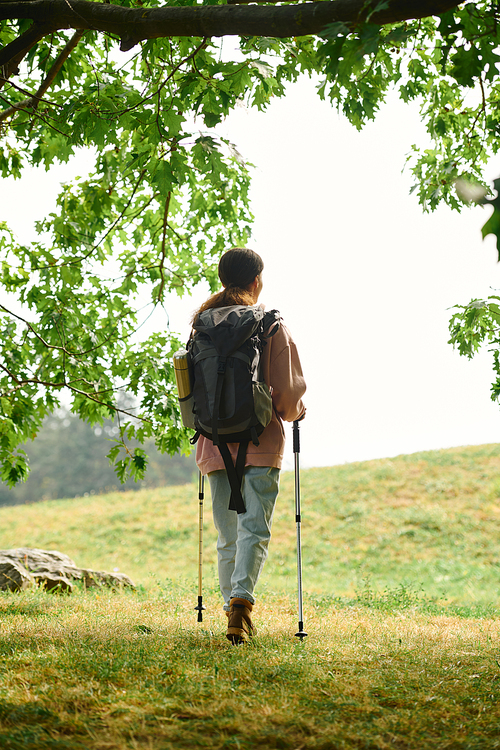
column 133, row 25
column 34, row 100
column 30, row 327
column 12, row 54
column 64, row 384
column 164, row 247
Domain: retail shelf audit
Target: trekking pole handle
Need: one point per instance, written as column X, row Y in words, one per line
column 296, row 437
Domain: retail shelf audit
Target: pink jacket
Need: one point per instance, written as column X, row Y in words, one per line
column 282, row 372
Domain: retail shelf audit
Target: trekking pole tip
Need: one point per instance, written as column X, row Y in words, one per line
column 301, row 632
column 199, row 608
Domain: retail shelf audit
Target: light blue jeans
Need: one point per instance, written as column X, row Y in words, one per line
column 243, row 540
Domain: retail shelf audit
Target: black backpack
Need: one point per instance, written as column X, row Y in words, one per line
column 231, row 402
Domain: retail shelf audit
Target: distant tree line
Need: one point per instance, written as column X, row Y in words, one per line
column 67, row 459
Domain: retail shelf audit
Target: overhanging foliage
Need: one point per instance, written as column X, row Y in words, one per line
column 166, row 194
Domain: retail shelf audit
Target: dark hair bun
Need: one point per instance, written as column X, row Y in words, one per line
column 239, row 267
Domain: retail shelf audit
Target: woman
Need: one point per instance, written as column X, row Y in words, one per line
column 243, row 539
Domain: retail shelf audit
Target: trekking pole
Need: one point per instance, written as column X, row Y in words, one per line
column 201, row 495
column 296, row 450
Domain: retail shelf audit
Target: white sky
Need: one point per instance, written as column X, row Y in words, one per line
column 361, row 276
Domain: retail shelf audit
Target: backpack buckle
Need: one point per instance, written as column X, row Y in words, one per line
column 221, row 369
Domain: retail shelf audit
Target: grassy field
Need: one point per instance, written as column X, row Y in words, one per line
column 104, row 671
column 431, row 520
column 401, row 573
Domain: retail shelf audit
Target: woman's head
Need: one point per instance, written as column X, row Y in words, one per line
column 240, row 271
column 239, row 267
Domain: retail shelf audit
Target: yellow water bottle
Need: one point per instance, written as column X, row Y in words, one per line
column 184, row 382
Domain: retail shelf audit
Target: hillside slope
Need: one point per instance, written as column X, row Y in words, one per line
column 430, row 520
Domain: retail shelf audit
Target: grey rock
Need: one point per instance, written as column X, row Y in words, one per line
column 24, row 567
column 102, row 578
column 14, row 576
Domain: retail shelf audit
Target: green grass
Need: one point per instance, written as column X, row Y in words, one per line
column 430, row 520
column 401, row 577
column 136, row 671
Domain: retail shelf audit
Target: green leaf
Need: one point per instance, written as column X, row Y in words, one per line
column 467, row 65
column 334, row 30
column 492, row 226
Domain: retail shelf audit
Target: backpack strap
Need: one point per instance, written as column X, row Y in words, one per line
column 221, row 369
column 235, row 474
column 271, row 323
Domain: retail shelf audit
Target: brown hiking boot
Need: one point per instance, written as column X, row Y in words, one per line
column 239, row 625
